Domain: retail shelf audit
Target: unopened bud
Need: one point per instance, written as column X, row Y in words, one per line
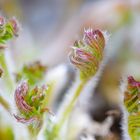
column 30, row 103
column 87, row 54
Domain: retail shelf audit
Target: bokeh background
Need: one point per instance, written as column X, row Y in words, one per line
column 50, row 27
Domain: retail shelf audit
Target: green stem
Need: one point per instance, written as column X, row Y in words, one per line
column 5, row 104
column 57, row 127
column 33, row 134
column 134, row 126
column 7, row 77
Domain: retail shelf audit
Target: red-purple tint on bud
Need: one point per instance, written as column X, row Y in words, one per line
column 133, row 83
column 26, row 121
column 2, row 21
column 80, row 57
column 132, row 95
column 15, row 26
column 83, row 60
column 95, row 39
column 133, row 87
column 20, row 94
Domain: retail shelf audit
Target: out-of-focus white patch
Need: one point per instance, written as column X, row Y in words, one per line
column 132, row 68
column 81, row 122
column 88, row 137
column 58, row 76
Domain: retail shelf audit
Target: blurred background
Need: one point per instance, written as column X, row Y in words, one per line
column 50, row 27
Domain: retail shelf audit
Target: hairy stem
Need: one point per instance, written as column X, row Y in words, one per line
column 66, row 111
column 7, row 76
column 5, row 104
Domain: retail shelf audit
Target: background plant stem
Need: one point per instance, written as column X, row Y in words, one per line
column 7, row 77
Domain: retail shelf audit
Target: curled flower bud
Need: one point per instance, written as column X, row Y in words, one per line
column 87, row 54
column 31, row 104
column 132, row 105
column 8, row 29
column 34, row 72
column 132, row 95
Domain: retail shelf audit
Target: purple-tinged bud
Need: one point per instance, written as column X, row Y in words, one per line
column 20, row 94
column 133, row 83
column 132, row 95
column 8, row 29
column 84, row 61
column 26, row 121
column 31, row 103
column 132, row 107
column 95, row 39
column 87, row 54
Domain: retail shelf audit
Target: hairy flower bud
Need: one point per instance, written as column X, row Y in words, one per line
column 31, row 104
column 132, row 95
column 132, row 105
column 8, row 29
column 34, row 72
column 87, row 54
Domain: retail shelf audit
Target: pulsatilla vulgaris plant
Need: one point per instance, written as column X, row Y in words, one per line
column 31, row 99
column 132, row 107
column 86, row 55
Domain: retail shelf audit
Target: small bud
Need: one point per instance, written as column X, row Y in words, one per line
column 87, row 54
column 8, row 29
column 31, row 104
column 34, row 72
